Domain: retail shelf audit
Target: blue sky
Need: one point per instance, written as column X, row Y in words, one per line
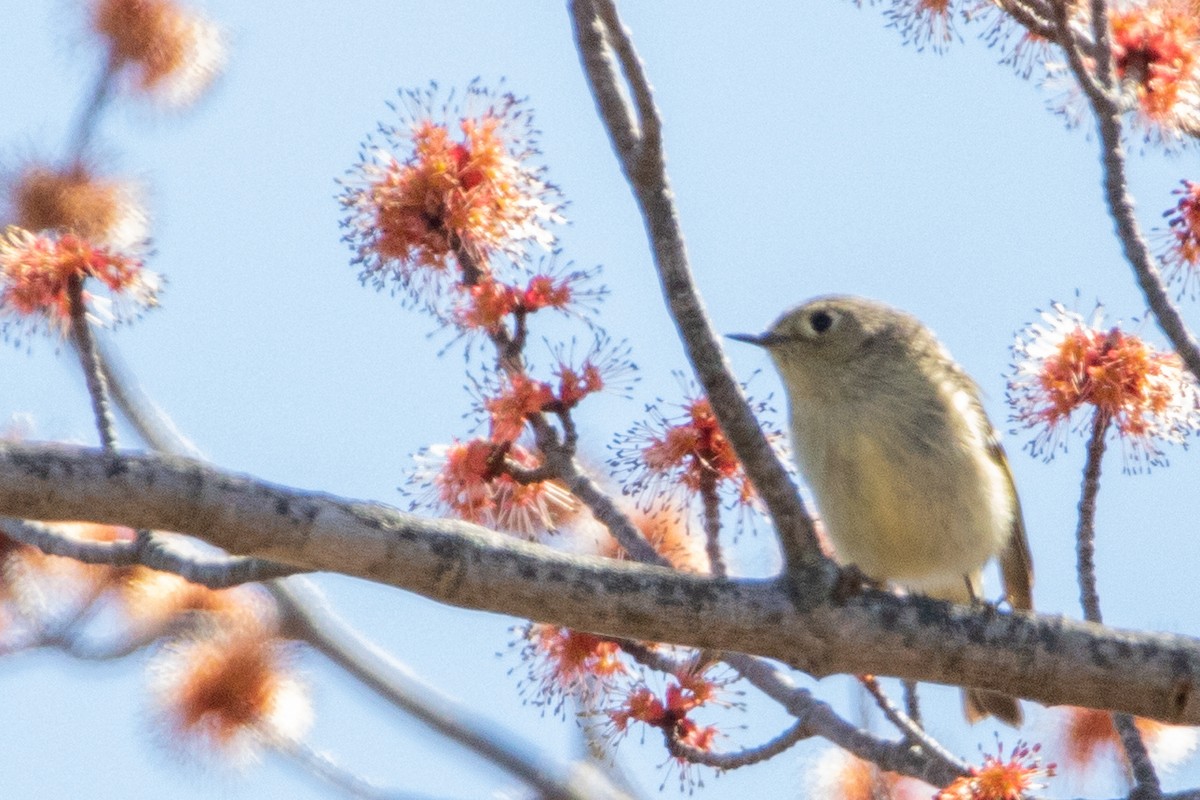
column 810, row 152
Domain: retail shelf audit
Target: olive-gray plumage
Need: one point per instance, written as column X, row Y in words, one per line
column 908, row 474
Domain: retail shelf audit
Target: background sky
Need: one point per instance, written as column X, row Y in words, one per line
column 810, row 152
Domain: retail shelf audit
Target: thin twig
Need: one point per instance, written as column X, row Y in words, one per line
column 162, row 551
column 1147, row 786
column 89, row 115
column 1036, row 20
column 153, row 550
column 931, row 763
column 1101, row 90
column 325, row 767
column 54, row 542
column 89, row 361
column 649, row 155
column 912, row 703
column 906, row 724
column 152, row 426
column 712, row 522
column 739, row 758
column 1085, row 533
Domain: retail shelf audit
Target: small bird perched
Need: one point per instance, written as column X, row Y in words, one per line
column 907, row 472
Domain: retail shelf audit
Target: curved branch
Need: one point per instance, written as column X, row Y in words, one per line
column 906, row 724
column 739, row 758
column 308, row 616
column 1051, row 660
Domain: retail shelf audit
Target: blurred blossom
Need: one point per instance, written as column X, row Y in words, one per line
column 44, row 589
column 166, row 51
column 837, row 775
column 1156, row 52
column 74, row 200
column 1089, row 740
column 670, row 534
column 228, row 691
column 151, row 600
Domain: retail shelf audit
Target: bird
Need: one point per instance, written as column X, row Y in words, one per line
column 910, row 480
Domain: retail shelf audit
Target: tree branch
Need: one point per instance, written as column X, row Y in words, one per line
column 636, row 138
column 89, row 361
column 156, row 551
column 740, row 758
column 308, row 616
column 1050, row 660
column 1100, row 89
column 1145, row 778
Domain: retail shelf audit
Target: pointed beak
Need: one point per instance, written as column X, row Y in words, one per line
column 757, row 339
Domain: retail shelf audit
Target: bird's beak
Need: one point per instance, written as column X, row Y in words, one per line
column 757, row 339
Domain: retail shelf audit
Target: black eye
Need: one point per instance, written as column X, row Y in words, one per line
column 820, row 321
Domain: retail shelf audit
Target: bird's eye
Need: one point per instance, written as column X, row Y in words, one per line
column 820, row 321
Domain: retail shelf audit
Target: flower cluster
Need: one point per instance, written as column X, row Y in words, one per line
column 447, row 193
column 924, row 23
column 1002, row 778
column 669, row 459
column 509, row 401
column 37, row 270
column 488, row 303
column 1156, row 54
column 1180, row 243
column 670, row 712
column 447, row 210
column 565, row 663
column 473, row 481
column 1069, row 363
